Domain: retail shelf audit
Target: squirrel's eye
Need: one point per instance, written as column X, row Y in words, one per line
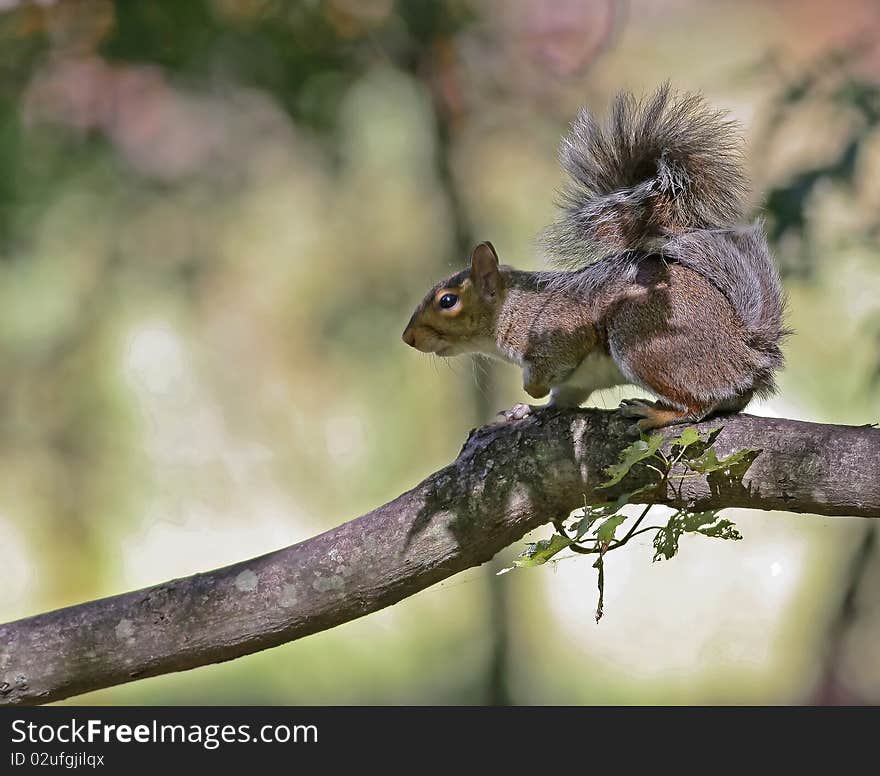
column 448, row 300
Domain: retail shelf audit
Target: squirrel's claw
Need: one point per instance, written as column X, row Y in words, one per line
column 516, row 412
column 636, row 408
column 651, row 415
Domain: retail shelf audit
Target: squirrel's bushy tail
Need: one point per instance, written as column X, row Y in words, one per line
column 658, row 167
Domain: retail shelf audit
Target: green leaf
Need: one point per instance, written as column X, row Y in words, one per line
column 666, row 541
column 630, row 456
column 733, row 466
column 605, row 532
column 738, row 463
column 693, row 521
column 540, row 552
column 723, row 529
column 590, row 514
column 713, row 435
column 696, row 448
column 704, row 523
column 707, row 462
column 687, row 438
column 581, row 527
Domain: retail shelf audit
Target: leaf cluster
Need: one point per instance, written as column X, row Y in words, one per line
column 593, row 530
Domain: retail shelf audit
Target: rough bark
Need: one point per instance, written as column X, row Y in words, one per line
column 507, row 480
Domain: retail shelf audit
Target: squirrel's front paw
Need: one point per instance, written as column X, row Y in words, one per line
column 517, row 412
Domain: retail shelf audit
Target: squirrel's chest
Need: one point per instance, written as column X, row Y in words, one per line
column 595, row 372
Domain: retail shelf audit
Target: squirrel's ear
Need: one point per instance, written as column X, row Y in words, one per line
column 484, row 270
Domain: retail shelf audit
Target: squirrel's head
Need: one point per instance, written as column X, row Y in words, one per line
column 458, row 314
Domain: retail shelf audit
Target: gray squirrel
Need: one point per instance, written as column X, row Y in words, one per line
column 662, row 286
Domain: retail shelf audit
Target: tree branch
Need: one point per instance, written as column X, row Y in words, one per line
column 508, row 479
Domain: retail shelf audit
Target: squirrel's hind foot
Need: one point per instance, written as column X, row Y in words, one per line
column 651, row 415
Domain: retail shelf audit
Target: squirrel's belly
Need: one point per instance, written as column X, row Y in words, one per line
column 595, row 372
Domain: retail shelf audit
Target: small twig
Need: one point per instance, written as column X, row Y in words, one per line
column 574, row 546
column 600, row 564
column 645, row 530
column 635, row 525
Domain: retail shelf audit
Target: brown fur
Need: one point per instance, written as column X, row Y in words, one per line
column 667, row 292
column 667, row 328
column 674, row 333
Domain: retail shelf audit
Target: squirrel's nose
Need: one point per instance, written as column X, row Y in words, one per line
column 409, row 337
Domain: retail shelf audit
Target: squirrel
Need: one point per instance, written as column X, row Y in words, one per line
column 660, row 284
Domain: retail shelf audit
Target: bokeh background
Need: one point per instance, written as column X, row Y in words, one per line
column 215, row 218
